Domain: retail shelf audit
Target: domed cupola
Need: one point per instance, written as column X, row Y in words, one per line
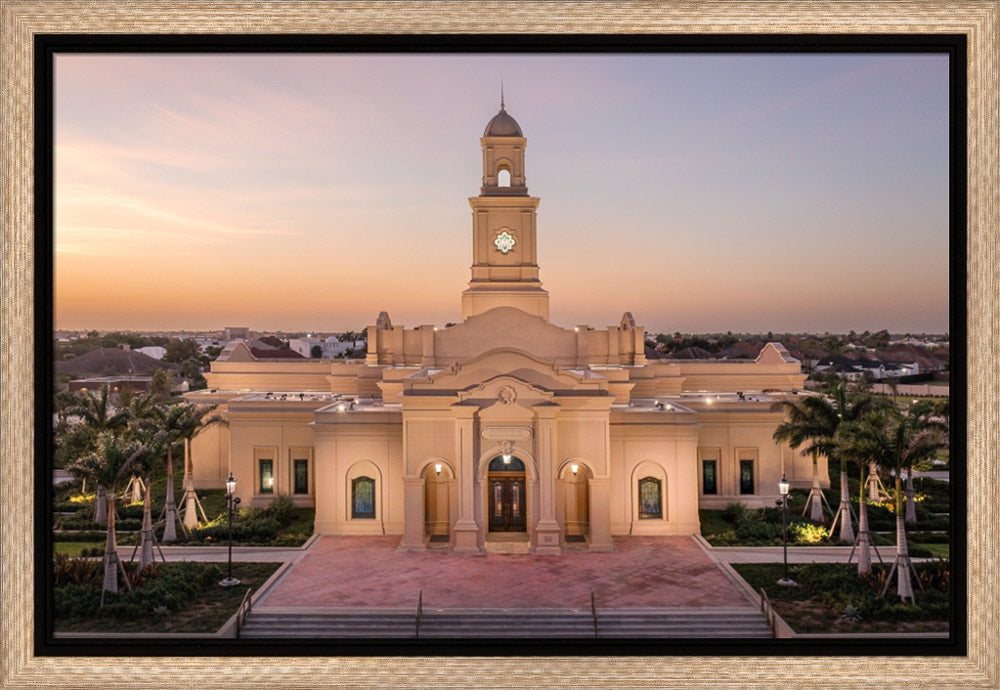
column 503, row 125
column 503, row 156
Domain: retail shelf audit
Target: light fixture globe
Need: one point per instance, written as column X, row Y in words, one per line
column 231, row 485
column 783, row 486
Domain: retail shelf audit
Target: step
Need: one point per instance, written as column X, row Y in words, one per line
column 508, row 623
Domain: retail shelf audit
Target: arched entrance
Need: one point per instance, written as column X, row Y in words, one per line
column 573, row 501
column 507, row 495
column 439, row 485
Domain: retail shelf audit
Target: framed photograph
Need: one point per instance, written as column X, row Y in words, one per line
column 293, row 187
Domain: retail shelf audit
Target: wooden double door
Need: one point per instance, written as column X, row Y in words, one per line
column 507, row 503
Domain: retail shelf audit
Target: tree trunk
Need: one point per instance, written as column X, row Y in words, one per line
column 111, row 549
column 816, row 509
column 864, row 552
column 911, row 504
column 146, row 549
column 101, row 506
column 846, row 528
column 904, row 586
column 872, row 483
column 170, row 509
column 190, row 507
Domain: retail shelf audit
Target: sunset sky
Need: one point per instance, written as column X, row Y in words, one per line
column 310, row 192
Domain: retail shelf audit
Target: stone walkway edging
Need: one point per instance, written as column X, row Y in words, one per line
column 782, row 630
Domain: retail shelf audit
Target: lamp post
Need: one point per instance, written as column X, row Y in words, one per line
column 231, row 502
column 783, row 502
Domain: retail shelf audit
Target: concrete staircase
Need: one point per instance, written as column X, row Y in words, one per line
column 656, row 623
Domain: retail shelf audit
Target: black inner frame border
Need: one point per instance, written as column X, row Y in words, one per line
column 47, row 46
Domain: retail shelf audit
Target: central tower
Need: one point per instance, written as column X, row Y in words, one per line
column 504, row 252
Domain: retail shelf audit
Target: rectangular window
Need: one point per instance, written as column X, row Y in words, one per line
column 266, row 466
column 709, row 482
column 301, row 479
column 746, row 476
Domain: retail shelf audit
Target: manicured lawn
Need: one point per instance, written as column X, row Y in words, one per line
column 73, row 548
column 936, row 550
column 189, row 599
column 832, row 598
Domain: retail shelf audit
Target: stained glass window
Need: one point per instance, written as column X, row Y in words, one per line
column 301, row 477
column 266, row 476
column 708, row 479
column 746, row 476
column 363, row 497
column 649, row 498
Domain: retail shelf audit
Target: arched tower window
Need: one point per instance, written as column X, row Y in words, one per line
column 503, row 178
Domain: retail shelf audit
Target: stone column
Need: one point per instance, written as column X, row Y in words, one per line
column 466, row 527
column 600, row 514
column 548, row 533
column 413, row 515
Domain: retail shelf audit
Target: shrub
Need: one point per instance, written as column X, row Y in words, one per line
column 281, row 509
column 807, row 533
column 734, row 513
column 79, row 571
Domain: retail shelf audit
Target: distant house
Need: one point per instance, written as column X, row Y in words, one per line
column 332, row 347
column 112, row 361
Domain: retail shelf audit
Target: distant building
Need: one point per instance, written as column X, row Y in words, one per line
column 332, row 347
column 236, row 333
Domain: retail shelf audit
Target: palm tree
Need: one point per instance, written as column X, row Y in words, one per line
column 816, row 419
column 169, row 421
column 896, row 440
column 115, row 458
column 97, row 414
column 804, row 424
column 143, row 413
column 194, row 420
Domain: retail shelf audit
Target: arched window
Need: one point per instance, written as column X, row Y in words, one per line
column 503, row 178
column 363, row 497
column 514, row 465
column 650, row 504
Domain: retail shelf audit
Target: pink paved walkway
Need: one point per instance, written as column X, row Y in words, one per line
column 369, row 572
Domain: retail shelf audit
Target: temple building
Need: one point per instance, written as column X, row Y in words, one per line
column 504, row 426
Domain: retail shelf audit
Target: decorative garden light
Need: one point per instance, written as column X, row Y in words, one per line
column 231, row 502
column 783, row 502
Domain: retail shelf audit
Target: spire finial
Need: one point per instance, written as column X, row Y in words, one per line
column 501, row 93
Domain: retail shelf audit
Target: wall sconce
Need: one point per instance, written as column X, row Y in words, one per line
column 574, row 468
column 437, row 468
column 669, row 406
column 341, row 407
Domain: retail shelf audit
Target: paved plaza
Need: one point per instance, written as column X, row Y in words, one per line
column 369, row 572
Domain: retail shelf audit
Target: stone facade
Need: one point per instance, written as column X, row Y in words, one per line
column 504, row 426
